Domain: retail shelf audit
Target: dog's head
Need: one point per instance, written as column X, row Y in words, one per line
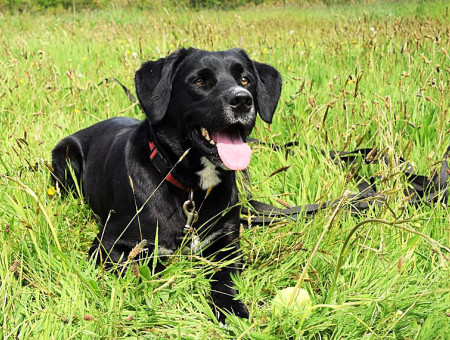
column 212, row 98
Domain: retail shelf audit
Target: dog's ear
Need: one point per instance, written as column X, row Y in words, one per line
column 153, row 82
column 268, row 87
column 268, row 90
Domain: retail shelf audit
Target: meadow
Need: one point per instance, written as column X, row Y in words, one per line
column 355, row 75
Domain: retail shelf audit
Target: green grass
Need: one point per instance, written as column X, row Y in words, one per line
column 393, row 283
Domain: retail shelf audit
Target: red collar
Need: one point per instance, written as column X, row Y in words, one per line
column 161, row 165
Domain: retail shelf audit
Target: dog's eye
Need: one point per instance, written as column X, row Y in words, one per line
column 245, row 81
column 199, row 82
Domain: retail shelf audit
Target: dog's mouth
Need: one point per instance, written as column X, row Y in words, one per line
column 228, row 145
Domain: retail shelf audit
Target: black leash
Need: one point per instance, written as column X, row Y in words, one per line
column 125, row 89
column 422, row 189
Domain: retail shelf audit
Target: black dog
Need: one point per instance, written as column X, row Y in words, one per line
column 203, row 102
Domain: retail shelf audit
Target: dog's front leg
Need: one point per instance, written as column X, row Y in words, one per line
column 223, row 291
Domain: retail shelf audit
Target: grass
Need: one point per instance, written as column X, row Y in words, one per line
column 392, row 281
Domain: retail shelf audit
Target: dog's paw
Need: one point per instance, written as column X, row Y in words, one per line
column 235, row 307
column 239, row 309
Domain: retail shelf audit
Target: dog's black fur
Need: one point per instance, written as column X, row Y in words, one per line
column 191, row 88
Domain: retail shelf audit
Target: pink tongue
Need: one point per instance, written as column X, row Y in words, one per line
column 233, row 152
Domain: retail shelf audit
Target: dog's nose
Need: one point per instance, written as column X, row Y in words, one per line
column 240, row 99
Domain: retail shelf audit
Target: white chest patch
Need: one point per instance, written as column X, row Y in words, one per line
column 208, row 176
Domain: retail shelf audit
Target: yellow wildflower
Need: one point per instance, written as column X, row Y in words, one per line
column 51, row 191
column 351, row 79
